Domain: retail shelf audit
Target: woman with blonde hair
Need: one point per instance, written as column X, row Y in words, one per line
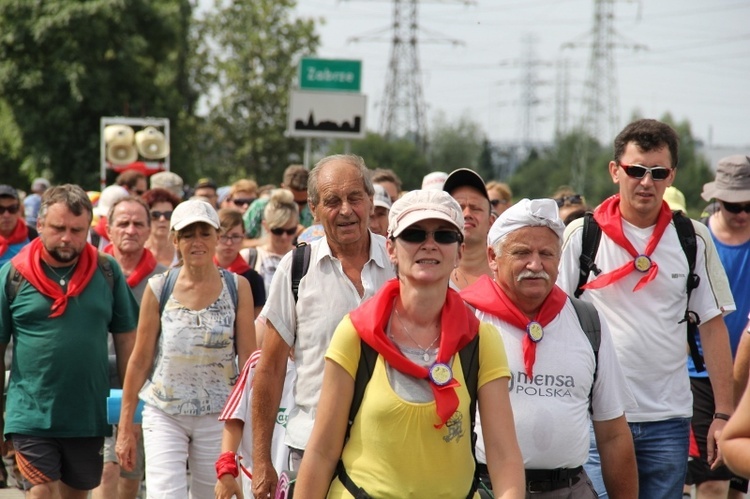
column 194, row 321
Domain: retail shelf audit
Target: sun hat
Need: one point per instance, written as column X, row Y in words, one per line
column 425, row 204
column 732, row 182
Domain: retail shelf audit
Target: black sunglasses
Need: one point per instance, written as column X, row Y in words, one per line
column 495, row 202
column 640, row 171
column 736, row 207
column 242, row 201
column 156, row 215
column 280, row 230
column 574, row 199
column 10, row 209
column 440, row 236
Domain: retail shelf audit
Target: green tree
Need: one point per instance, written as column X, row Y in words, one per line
column 65, row 63
column 454, row 145
column 247, row 58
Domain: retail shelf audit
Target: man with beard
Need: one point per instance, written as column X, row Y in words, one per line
column 58, row 301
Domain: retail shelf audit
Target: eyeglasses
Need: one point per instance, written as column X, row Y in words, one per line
column 574, row 199
column 243, row 201
column 13, row 209
column 139, row 192
column 495, row 202
column 440, row 236
column 280, row 230
column 234, row 239
column 156, row 215
column 736, row 207
column 640, row 171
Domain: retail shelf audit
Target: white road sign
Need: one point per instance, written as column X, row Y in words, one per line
column 327, row 114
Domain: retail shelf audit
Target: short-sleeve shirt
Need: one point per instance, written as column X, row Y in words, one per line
column 59, row 378
column 407, row 447
column 325, row 295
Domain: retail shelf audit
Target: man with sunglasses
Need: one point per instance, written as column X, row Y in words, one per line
column 14, row 233
column 729, row 227
column 639, row 284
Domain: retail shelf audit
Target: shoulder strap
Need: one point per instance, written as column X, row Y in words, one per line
column 365, row 368
column 300, row 264
column 251, row 256
column 13, row 284
column 469, row 356
column 230, row 279
column 592, row 328
column 592, row 235
column 105, row 265
column 686, row 234
column 170, row 279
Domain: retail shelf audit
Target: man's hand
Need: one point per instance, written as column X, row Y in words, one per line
column 265, row 480
column 714, row 454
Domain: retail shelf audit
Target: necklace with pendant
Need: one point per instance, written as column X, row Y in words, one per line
column 63, row 278
column 425, row 351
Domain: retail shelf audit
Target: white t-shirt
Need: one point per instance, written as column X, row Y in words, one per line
column 551, row 409
column 325, row 295
column 650, row 341
column 238, row 407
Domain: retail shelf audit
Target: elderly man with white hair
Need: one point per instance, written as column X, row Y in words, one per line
column 564, row 371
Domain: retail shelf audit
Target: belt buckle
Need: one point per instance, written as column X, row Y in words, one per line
column 537, row 487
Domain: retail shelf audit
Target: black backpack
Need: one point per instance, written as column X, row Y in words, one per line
column 592, row 235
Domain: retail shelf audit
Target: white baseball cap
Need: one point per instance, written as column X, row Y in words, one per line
column 381, row 198
column 193, row 211
column 110, row 195
column 426, row 204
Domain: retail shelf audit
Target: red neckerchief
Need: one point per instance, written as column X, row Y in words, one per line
column 488, row 297
column 29, row 265
column 101, row 228
column 19, row 235
column 239, row 266
column 145, row 266
column 458, row 327
column 609, row 218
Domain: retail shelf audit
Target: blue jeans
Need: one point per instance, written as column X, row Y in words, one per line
column 661, row 452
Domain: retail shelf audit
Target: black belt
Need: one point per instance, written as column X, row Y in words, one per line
column 541, row 480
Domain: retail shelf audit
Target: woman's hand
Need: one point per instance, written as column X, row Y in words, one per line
column 127, row 441
column 227, row 487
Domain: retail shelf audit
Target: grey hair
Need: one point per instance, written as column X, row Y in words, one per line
column 313, row 195
column 71, row 195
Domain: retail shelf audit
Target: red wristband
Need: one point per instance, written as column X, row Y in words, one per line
column 227, row 465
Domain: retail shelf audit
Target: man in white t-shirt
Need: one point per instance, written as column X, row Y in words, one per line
column 560, row 380
column 347, row 266
column 640, row 287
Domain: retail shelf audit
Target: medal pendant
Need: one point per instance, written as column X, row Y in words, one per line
column 642, row 263
column 441, row 374
column 62, row 282
column 535, row 331
column 426, row 357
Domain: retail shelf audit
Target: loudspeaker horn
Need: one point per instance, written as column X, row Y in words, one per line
column 121, row 154
column 116, row 135
column 151, row 143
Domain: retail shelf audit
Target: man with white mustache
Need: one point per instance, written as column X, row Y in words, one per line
column 558, row 381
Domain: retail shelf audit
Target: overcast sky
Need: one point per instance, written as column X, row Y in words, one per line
column 696, row 64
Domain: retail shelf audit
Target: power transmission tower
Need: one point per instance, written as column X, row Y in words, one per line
column 403, row 111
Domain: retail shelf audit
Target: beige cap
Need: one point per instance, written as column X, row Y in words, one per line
column 193, row 211
column 426, row 204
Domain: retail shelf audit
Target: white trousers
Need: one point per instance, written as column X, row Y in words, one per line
column 173, row 442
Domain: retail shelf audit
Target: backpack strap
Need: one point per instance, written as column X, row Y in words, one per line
column 251, row 256
column 300, row 264
column 367, row 358
column 170, row 278
column 592, row 235
column 105, row 265
column 588, row 317
column 95, row 238
column 231, row 280
column 689, row 243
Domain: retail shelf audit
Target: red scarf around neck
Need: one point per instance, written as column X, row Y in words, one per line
column 609, row 218
column 458, row 326
column 19, row 235
column 145, row 266
column 239, row 266
column 101, row 228
column 488, row 297
column 29, row 265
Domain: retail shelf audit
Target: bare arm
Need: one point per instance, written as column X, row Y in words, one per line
column 504, row 460
column 244, row 326
column 226, row 485
column 268, row 385
column 327, row 440
column 615, row 444
column 742, row 364
column 139, row 365
column 718, row 356
column 124, row 343
column 734, row 441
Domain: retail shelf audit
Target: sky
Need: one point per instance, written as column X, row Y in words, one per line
column 694, row 64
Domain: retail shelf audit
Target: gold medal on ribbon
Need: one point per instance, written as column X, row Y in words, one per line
column 642, row 263
column 441, row 374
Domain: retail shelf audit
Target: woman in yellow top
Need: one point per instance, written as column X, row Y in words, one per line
column 412, row 435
